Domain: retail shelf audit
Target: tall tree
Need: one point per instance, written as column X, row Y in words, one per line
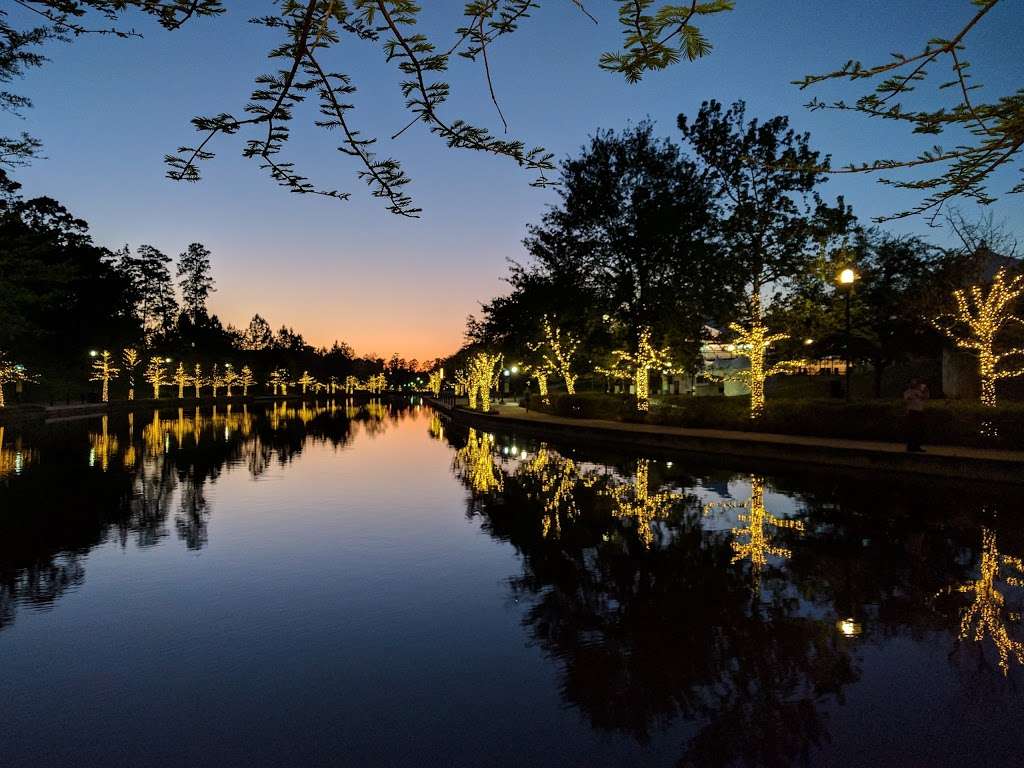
column 195, row 281
column 258, row 335
column 155, row 304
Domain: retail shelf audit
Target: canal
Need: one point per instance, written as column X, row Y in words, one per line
column 333, row 583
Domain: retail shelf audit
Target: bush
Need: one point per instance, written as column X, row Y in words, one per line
column 946, row 422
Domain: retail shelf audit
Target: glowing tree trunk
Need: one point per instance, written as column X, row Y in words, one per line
column 156, row 375
column 979, row 319
column 246, row 380
column 306, row 381
column 558, row 352
column 103, row 370
column 130, row 357
column 215, row 380
column 182, row 379
column 483, row 370
column 230, row 377
column 197, row 379
column 638, row 366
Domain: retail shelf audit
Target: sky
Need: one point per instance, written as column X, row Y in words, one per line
column 108, row 110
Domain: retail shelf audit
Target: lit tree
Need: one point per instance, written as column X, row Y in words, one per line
column 753, row 343
column 130, row 360
column 474, row 463
column 279, row 380
column 540, row 372
column 10, row 373
column 246, row 380
column 755, row 545
column 463, row 386
column 156, row 375
column 376, row 383
column 634, row 501
column 103, row 369
column 305, row 381
column 230, row 377
column 216, row 380
column 182, row 379
column 434, row 382
column 637, row 367
column 197, row 379
column 558, row 351
column 985, row 613
column 351, row 384
column 333, row 380
column 483, row 369
column 979, row 319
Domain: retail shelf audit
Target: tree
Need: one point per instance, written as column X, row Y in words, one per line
column 306, row 380
column 246, row 380
column 216, row 380
column 10, row 373
column 279, row 380
column 980, row 317
column 637, row 366
column 557, row 352
column 156, row 375
column 104, row 370
column 130, row 359
column 195, row 281
column 483, row 370
column 197, row 379
column 182, row 379
column 154, row 293
column 258, row 335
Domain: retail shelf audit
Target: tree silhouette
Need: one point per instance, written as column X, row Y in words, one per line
column 195, row 281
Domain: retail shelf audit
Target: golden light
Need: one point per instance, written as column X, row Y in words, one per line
column 483, row 371
column 11, row 373
column 634, row 501
column 474, row 463
column 130, row 359
column 102, row 446
column 230, row 377
column 849, row 627
column 557, row 353
column 979, row 318
column 14, row 460
column 306, row 381
column 638, row 366
column 182, row 379
column 197, row 379
column 847, row 277
column 557, row 477
column 104, row 370
column 156, row 375
column 753, row 343
column 246, row 380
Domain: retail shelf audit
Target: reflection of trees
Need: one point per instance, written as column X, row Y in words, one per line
column 634, row 502
column 474, row 463
column 987, row 615
column 78, row 496
column 555, row 478
column 751, row 541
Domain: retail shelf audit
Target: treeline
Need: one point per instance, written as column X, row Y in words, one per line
column 726, row 225
column 63, row 296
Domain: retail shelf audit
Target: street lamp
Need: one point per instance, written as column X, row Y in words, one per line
column 847, row 277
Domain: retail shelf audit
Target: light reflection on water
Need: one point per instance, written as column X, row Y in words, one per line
column 331, row 582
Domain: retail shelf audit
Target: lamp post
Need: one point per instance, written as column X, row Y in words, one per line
column 846, row 280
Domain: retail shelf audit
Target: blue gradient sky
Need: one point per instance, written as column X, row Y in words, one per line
column 108, row 110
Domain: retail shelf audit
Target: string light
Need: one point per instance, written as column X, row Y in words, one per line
column 197, row 379
column 246, row 380
column 130, row 360
column 156, row 375
column 216, row 380
column 351, row 384
column 638, row 366
column 751, row 542
column 103, row 369
column 463, row 387
column 483, row 370
column 182, row 379
column 305, row 381
column 11, row 373
column 14, row 460
column 474, row 463
column 634, row 501
column 279, row 380
column 434, row 382
column 984, row 614
column 230, row 377
column 558, row 477
column 102, row 446
column 557, row 353
column 979, row 318
column 541, row 372
column 753, row 343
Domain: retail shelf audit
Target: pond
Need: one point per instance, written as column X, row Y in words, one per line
column 369, row 584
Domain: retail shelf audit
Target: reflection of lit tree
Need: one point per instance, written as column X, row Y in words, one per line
column 103, row 369
column 637, row 366
column 634, row 501
column 130, row 360
column 558, row 478
column 436, row 428
column 984, row 616
column 979, row 319
column 102, row 446
column 13, row 459
column 751, row 542
column 156, row 375
column 474, row 463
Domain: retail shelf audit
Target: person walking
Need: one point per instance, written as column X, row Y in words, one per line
column 915, row 396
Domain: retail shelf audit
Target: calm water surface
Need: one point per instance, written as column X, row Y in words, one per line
column 368, row 585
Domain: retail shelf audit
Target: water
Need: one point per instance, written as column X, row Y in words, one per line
column 367, row 585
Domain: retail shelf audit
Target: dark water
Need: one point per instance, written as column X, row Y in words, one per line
column 365, row 585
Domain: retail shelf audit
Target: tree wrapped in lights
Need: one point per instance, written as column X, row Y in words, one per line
column 377, row 383
column 351, row 384
column 334, row 385
column 985, row 613
column 216, row 380
column 246, row 380
column 751, row 542
column 474, row 463
column 483, row 370
column 462, row 387
column 156, row 375
column 305, row 381
column 557, row 350
column 130, row 360
column 182, row 379
column 540, row 372
column 753, row 343
column 979, row 319
column 11, row 373
column 103, row 369
column 197, row 379
column 279, row 381
column 634, row 501
column 434, row 381
column 230, row 377
column 637, row 366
